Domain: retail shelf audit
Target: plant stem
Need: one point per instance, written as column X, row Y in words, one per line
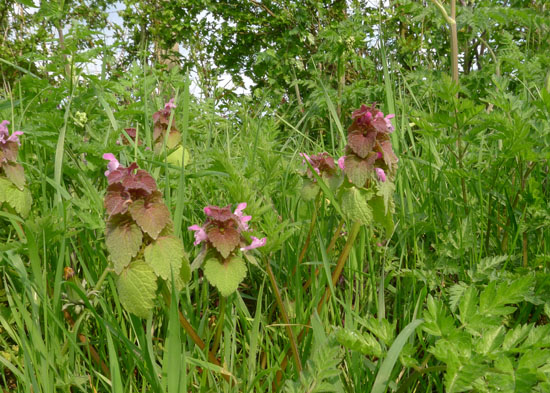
column 282, row 310
column 335, row 277
column 219, row 328
column 310, row 231
column 192, row 333
column 340, row 264
column 329, row 249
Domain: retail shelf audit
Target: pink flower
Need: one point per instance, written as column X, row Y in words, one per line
column 5, row 134
column 200, row 234
column 243, row 220
column 255, row 243
column 113, row 163
column 170, row 104
column 388, row 122
column 381, row 174
column 342, row 162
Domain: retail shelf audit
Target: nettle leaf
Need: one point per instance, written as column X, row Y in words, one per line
column 359, row 170
column 309, row 190
column 361, row 144
column 16, row 174
column 151, row 217
column 364, row 343
column 141, row 180
column 137, row 286
column 225, row 276
column 19, row 200
column 10, row 150
column 116, row 203
column 386, row 190
column 224, row 240
column 123, row 240
column 165, row 255
column 387, row 151
column 381, row 217
column 355, row 205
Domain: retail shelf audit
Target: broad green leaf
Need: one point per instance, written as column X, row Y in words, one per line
column 382, row 217
column 490, row 341
column 175, row 158
column 16, row 174
column 437, row 322
column 165, row 255
column 364, row 343
column 151, row 217
column 310, row 190
column 225, row 276
column 137, row 285
column 386, row 190
column 123, row 241
column 355, row 205
column 19, row 200
column 468, row 305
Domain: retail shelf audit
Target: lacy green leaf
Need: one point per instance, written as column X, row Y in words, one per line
column 137, row 285
column 225, row 276
column 164, row 256
column 355, row 205
column 19, row 200
column 123, row 240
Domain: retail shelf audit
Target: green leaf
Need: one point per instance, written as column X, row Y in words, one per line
column 16, row 174
column 19, row 200
column 224, row 240
column 164, row 256
column 123, row 241
column 382, row 329
column 151, row 217
column 309, row 190
column 382, row 217
column 137, row 285
column 355, row 205
column 386, row 190
column 437, row 322
column 225, row 276
column 364, row 343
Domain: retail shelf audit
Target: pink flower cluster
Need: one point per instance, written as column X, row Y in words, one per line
column 222, row 230
column 5, row 136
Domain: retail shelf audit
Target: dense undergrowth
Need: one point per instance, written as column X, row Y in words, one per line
column 445, row 271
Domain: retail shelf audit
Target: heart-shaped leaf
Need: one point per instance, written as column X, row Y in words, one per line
column 151, row 217
column 123, row 240
column 164, row 256
column 137, row 285
column 225, row 276
column 224, row 239
column 16, row 174
column 355, row 205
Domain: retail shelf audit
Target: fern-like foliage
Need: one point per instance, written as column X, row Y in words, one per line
column 321, row 372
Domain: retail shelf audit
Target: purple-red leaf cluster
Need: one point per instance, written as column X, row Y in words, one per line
column 222, row 230
column 161, row 122
column 9, row 147
column 369, row 150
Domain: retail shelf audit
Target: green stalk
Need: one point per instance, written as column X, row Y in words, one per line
column 311, row 228
column 282, row 310
column 219, row 328
column 340, row 264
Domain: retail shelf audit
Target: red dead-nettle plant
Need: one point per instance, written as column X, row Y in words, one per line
column 139, row 237
column 224, row 245
column 164, row 129
column 324, row 166
column 13, row 193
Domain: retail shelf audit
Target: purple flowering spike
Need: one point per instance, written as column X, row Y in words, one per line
column 5, row 134
column 342, row 162
column 255, row 243
column 170, row 104
column 243, row 220
column 113, row 163
column 381, row 174
column 200, row 234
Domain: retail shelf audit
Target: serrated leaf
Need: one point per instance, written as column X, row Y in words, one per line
column 141, row 180
column 225, row 276
column 381, row 217
column 123, row 240
column 361, row 144
column 355, row 205
column 16, row 174
column 137, row 285
column 364, row 343
column 116, row 203
column 224, row 240
column 19, row 200
column 309, row 190
column 358, row 170
column 386, row 190
column 165, row 255
column 151, row 217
